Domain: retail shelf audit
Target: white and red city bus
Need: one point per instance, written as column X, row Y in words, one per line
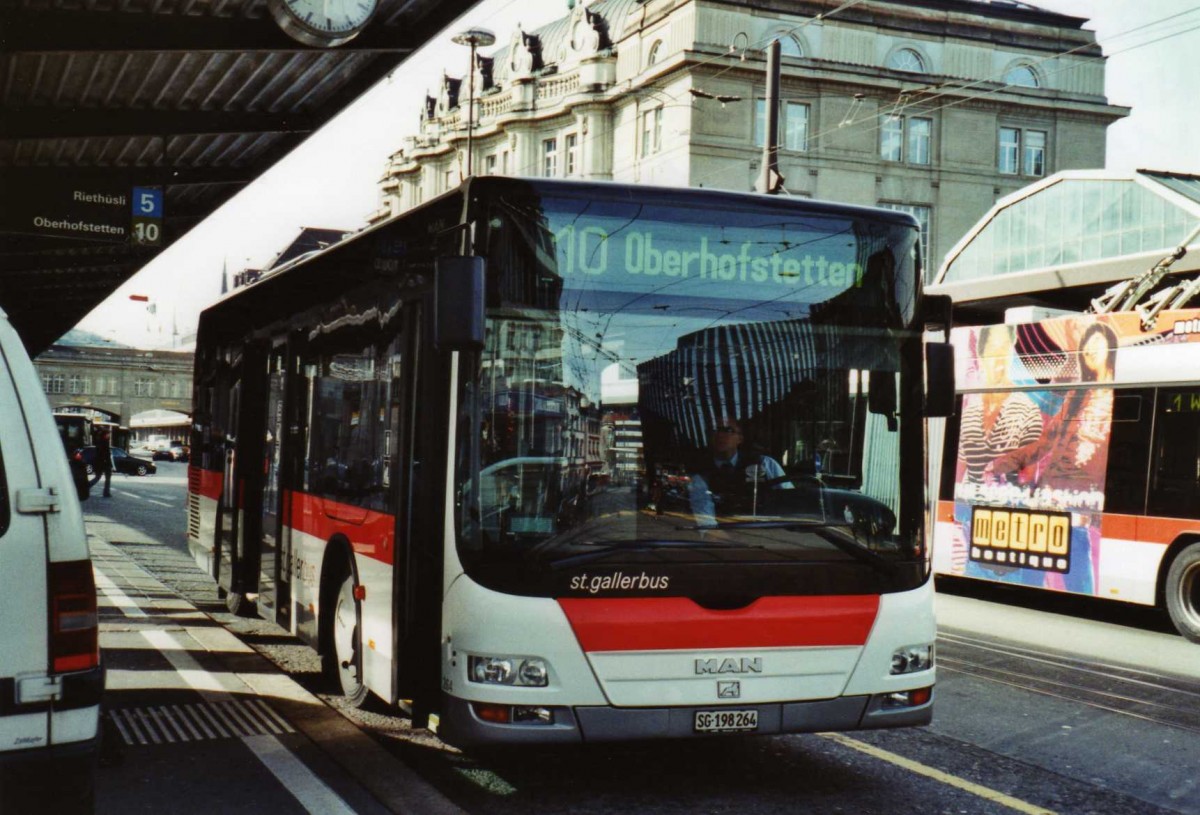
column 469, row 454
column 1073, row 463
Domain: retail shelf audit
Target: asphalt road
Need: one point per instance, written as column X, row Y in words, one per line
column 1040, row 708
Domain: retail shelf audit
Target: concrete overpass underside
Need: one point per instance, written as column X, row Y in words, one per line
column 105, row 102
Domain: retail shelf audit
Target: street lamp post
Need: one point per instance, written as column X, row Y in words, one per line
column 475, row 38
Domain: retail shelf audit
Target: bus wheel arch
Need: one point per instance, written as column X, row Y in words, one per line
column 341, row 623
column 1179, row 586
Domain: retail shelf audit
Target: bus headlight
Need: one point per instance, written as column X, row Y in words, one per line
column 507, row 670
column 912, row 658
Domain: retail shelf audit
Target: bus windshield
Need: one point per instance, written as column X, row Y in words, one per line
column 669, row 393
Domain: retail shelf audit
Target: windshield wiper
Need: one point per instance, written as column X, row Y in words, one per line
column 846, row 542
column 636, row 545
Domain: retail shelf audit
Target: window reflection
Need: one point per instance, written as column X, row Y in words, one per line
column 350, row 444
column 621, row 399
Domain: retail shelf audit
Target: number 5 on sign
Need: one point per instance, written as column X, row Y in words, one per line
column 147, row 216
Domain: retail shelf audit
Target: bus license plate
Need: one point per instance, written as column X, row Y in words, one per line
column 725, row 721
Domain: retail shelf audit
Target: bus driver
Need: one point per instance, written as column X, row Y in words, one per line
column 732, row 476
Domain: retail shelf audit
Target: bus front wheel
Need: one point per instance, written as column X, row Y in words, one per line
column 1183, row 592
column 343, row 657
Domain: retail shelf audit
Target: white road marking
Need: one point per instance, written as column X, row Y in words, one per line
column 129, row 607
column 311, row 792
column 160, row 503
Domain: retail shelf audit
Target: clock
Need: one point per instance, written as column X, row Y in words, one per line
column 323, row 23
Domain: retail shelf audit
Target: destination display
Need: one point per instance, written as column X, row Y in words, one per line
column 670, row 252
column 587, row 251
column 84, row 209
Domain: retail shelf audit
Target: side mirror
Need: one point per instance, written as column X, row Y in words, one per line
column 939, row 379
column 881, row 398
column 459, row 303
column 938, row 313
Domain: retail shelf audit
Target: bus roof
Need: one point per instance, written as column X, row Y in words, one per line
column 703, row 197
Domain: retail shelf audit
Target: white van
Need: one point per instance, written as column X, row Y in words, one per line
column 51, row 679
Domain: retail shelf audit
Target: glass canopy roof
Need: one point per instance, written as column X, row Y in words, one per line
column 1077, row 217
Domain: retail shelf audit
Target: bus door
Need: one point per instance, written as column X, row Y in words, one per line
column 239, row 516
column 226, row 531
column 403, row 471
column 272, row 589
column 425, row 424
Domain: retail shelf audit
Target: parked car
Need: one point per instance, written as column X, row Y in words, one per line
column 178, row 451
column 50, row 669
column 122, row 462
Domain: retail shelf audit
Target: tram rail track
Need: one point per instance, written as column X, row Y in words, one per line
column 1167, row 700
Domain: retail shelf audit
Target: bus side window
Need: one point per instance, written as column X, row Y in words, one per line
column 350, row 417
column 1128, row 452
column 1175, row 474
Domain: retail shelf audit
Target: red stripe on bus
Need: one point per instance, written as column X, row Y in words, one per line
column 676, row 623
column 371, row 534
column 206, row 483
column 1147, row 529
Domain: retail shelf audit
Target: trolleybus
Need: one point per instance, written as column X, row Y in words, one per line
column 1073, row 461
column 469, row 455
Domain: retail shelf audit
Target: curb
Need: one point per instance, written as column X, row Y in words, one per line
column 394, row 784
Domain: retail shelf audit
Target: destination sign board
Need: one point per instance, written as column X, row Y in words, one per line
column 87, row 208
column 147, row 216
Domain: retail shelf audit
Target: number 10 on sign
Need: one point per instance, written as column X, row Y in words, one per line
column 147, row 216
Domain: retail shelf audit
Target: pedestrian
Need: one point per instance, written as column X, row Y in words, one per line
column 102, row 464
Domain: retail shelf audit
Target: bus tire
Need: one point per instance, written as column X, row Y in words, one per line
column 343, row 658
column 1183, row 592
column 240, row 605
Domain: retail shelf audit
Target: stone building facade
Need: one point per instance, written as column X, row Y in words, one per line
column 121, row 381
column 935, row 107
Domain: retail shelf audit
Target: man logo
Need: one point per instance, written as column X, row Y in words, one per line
column 729, row 690
column 729, row 665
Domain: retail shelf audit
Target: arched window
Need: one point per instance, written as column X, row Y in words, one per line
column 1022, row 76
column 906, row 59
column 655, row 53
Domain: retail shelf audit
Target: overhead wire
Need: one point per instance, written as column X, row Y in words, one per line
column 945, row 90
column 757, row 45
column 921, row 106
column 956, row 90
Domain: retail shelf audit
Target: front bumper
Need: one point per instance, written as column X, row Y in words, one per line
column 460, row 726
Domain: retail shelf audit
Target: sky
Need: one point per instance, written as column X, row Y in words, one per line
column 331, row 179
